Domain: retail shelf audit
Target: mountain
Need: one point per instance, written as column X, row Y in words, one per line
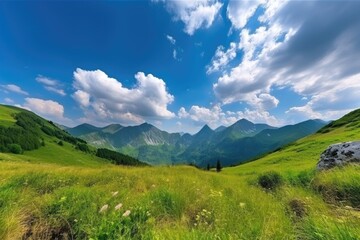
column 303, row 154
column 36, row 139
column 220, row 128
column 236, row 151
column 239, row 142
column 82, row 129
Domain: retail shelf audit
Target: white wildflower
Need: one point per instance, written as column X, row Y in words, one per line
column 117, row 207
column 104, row 208
column 115, row 193
column 126, row 213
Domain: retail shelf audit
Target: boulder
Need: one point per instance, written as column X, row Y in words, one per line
column 339, row 154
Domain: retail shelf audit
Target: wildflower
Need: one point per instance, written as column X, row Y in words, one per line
column 242, row 205
column 153, row 185
column 104, row 208
column 126, row 213
column 117, row 207
column 167, row 180
column 115, row 193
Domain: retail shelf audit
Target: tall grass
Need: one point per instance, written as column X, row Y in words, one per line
column 53, row 201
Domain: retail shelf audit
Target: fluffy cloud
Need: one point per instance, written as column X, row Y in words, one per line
column 50, row 85
column 309, row 51
column 222, row 58
column 331, row 104
column 106, row 98
column 194, row 14
column 83, row 98
column 46, row 108
column 215, row 116
column 14, row 88
column 239, row 12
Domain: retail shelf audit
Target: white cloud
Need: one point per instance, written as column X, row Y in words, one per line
column 175, row 54
column 222, row 58
column 263, row 101
column 47, row 108
column 171, row 39
column 331, row 104
column 47, row 81
column 51, row 85
column 260, row 116
column 83, row 98
column 215, row 116
column 299, row 49
column 194, row 14
column 55, row 90
column 14, row 88
column 176, row 50
column 239, row 12
column 106, row 98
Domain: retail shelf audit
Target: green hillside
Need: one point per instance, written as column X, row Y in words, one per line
column 41, row 141
column 50, row 196
column 304, row 153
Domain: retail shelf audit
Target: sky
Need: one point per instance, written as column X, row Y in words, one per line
column 181, row 64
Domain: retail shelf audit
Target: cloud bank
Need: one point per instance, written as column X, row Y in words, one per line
column 103, row 97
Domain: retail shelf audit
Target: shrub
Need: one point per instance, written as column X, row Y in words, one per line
column 83, row 147
column 297, row 207
column 15, row 148
column 60, row 143
column 118, row 158
column 270, row 180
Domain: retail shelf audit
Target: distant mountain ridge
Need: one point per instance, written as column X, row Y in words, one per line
column 239, row 142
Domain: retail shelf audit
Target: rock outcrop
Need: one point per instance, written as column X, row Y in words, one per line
column 339, row 155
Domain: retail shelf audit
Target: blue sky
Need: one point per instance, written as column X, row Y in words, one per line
column 181, row 64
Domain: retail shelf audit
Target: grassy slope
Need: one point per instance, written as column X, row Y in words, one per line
column 6, row 118
column 58, row 197
column 301, row 155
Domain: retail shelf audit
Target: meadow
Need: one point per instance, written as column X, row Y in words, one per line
column 58, row 192
column 48, row 201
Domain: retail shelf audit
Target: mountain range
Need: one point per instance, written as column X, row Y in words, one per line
column 237, row 143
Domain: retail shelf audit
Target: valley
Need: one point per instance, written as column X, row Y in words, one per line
column 154, row 146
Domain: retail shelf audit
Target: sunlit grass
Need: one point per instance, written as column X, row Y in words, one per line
column 49, row 200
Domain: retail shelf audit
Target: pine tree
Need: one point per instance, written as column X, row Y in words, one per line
column 218, row 166
column 208, row 167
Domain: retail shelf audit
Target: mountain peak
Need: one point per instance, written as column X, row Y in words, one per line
column 146, row 126
column 244, row 121
column 206, row 128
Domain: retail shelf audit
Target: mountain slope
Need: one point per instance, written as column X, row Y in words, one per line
column 82, row 129
column 236, row 146
column 239, row 142
column 304, row 153
column 39, row 140
column 145, row 141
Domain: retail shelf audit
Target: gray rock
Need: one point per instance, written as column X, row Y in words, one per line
column 339, row 154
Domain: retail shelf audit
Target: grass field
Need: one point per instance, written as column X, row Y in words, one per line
column 47, row 201
column 57, row 192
